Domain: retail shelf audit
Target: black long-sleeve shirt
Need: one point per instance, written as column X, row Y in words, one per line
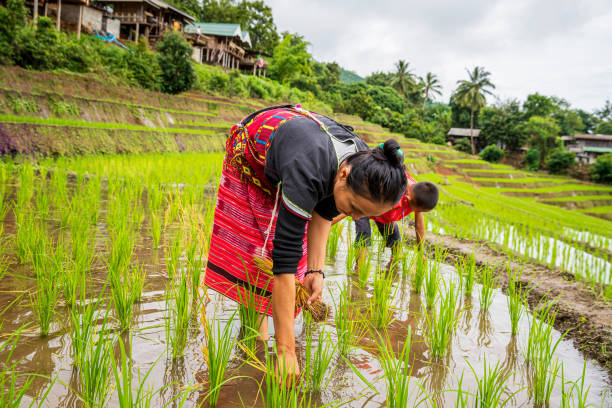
column 305, row 160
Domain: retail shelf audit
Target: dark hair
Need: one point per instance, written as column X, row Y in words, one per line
column 425, row 195
column 378, row 174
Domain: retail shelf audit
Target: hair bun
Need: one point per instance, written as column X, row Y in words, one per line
column 393, row 153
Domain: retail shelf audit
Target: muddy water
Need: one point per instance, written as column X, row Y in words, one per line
column 479, row 335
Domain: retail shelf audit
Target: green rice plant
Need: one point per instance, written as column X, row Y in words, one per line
column 462, row 396
column 48, row 266
column 95, row 367
column 251, row 317
column 346, row 326
column 419, row 271
column 58, row 185
column 383, row 294
column 82, row 325
column 121, row 250
column 581, row 391
column 124, row 377
column 4, row 246
column 492, row 386
column 442, row 323
column 4, row 178
column 364, row 266
column 194, row 260
column 320, row 360
column 517, row 298
column 283, row 390
column 397, row 370
column 173, row 258
column 467, row 271
column 543, row 369
column 26, row 186
column 124, row 295
column 432, row 282
column 488, row 280
column 407, row 260
column 29, row 231
column 217, row 350
column 13, row 387
column 178, row 313
column 156, row 228
column 333, row 240
column 352, row 252
column 43, row 199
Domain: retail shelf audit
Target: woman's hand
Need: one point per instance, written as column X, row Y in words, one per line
column 314, row 283
column 287, row 368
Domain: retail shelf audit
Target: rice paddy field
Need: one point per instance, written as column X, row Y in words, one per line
column 101, row 295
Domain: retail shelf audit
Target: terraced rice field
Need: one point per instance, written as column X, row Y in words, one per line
column 103, row 254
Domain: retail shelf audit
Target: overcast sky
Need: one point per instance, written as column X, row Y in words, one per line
column 561, row 47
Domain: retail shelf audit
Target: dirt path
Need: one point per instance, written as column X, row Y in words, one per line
column 580, row 311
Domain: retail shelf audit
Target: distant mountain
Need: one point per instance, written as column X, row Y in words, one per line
column 348, row 77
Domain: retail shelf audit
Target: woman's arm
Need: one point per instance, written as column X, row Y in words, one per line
column 318, row 232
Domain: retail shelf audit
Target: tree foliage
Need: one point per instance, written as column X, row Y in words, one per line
column 291, row 59
column 174, row 59
column 492, row 153
column 604, row 128
column 543, row 133
column 502, row 124
column 560, row 160
column 601, row 172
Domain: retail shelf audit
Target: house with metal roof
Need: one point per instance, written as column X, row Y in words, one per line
column 587, row 147
column 222, row 44
column 150, row 18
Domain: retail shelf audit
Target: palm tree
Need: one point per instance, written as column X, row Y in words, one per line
column 432, row 86
column 471, row 93
column 403, row 78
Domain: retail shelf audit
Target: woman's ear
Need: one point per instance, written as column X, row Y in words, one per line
column 344, row 172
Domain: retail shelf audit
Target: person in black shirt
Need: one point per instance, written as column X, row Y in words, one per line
column 287, row 173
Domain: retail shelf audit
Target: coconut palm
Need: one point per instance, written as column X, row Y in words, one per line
column 403, row 78
column 471, row 94
column 431, row 86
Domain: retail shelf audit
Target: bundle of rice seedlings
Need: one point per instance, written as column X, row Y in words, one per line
column 317, row 309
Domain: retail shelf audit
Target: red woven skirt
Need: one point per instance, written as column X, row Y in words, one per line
column 242, row 216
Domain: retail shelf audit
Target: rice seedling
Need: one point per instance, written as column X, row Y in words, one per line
column 432, row 282
column 442, row 323
column 13, row 387
column 488, row 280
column 467, row 271
column 345, row 325
column 317, row 363
column 364, row 266
column 282, row 389
column 317, row 309
column 4, row 177
column 29, row 231
column 124, row 377
column 121, row 249
column 419, row 271
column 26, row 186
column 173, row 259
column 397, row 370
column 48, row 264
column 543, row 368
column 492, row 386
column 352, row 252
column 194, row 260
column 581, row 391
column 217, row 350
column 462, row 396
column 517, row 298
column 43, row 199
column 4, row 261
column 178, row 313
column 334, row 239
column 95, row 366
column 250, row 313
column 383, row 294
column 82, row 325
column 407, row 260
column 156, row 228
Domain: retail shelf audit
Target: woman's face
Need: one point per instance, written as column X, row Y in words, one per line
column 352, row 204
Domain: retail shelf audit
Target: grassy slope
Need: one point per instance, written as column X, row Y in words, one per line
column 61, row 113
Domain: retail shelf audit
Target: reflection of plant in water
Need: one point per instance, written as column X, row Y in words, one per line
column 467, row 316
column 485, row 328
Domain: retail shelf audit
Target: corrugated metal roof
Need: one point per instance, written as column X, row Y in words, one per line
column 593, row 137
column 246, row 38
column 594, row 149
column 463, row 132
column 218, row 29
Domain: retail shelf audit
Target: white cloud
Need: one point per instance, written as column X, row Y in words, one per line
column 560, row 47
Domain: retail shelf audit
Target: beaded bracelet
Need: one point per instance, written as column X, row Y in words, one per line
column 313, row 271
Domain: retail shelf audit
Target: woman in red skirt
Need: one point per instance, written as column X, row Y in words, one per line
column 286, row 174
